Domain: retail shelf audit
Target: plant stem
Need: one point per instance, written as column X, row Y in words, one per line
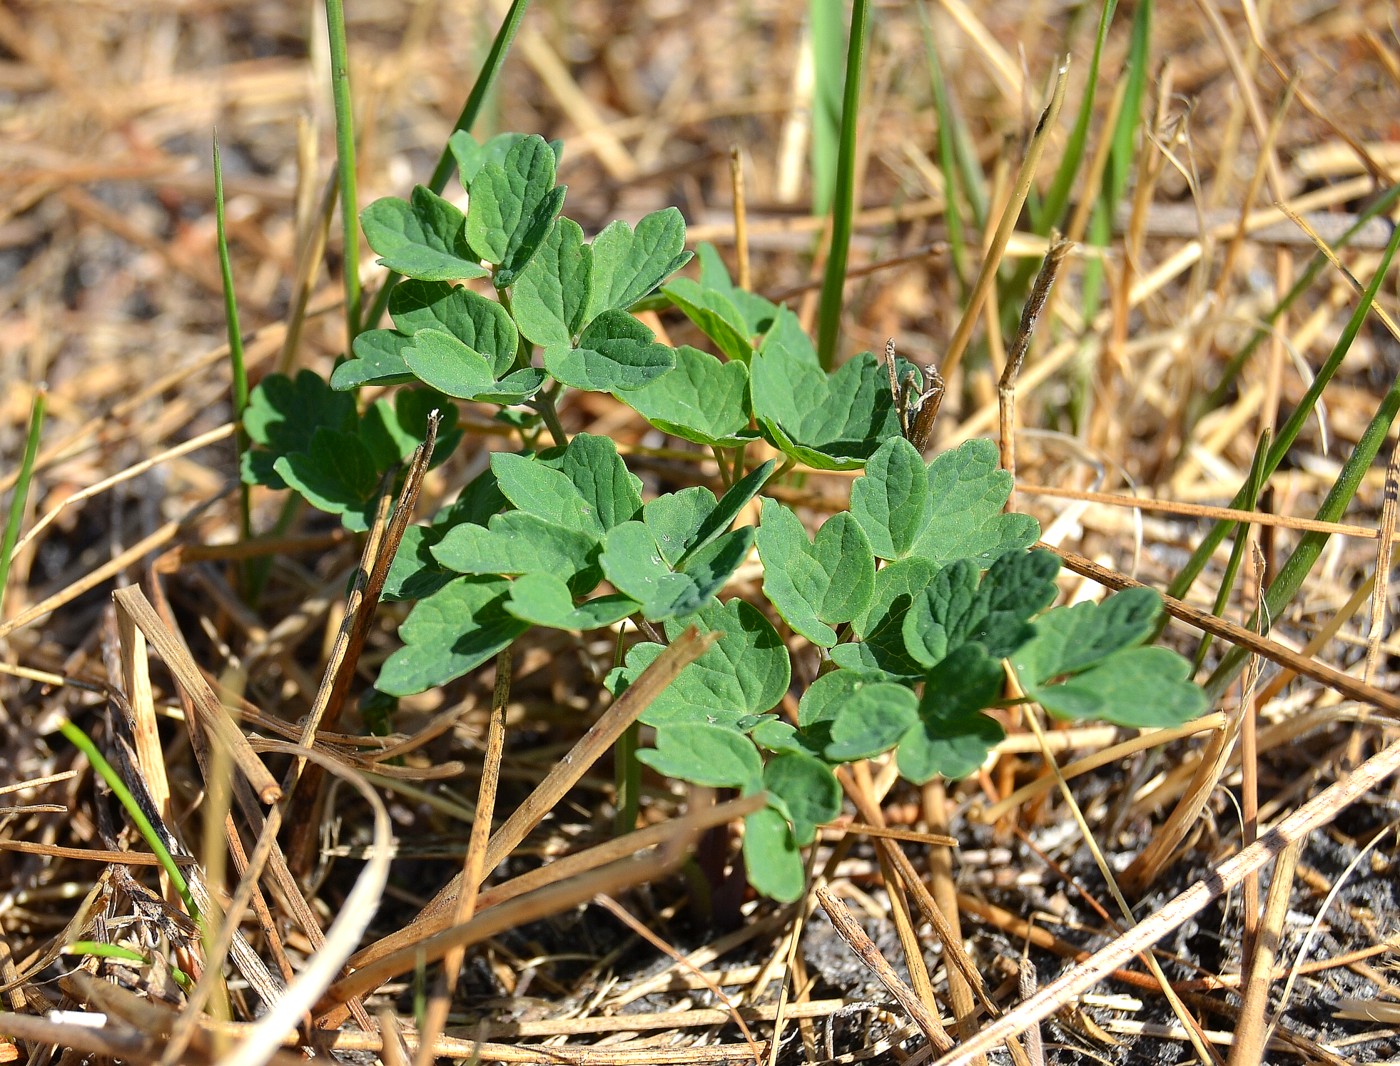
column 544, row 404
column 843, row 202
column 345, row 164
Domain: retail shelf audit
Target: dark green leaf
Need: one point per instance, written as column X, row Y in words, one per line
column 512, row 205
column 952, row 737
column 702, row 400
column 881, row 625
column 891, row 499
column 518, row 542
column 590, row 492
column 424, row 238
column 414, row 573
column 378, row 360
column 771, row 858
column 675, row 518
column 716, row 315
column 337, row 474
column 283, row 413
column 482, row 325
column 454, row 630
column 615, row 354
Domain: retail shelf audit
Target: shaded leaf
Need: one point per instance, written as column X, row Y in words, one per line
column 715, row 314
column 843, row 717
column 424, row 237
column 952, row 737
column 378, row 360
column 809, row 791
column 771, row 859
column 454, row 630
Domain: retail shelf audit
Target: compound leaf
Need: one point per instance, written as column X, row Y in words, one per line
column 442, row 361
column 715, row 314
column 378, row 360
column 336, row 474
column 609, row 489
column 616, row 353
column 424, row 237
column 454, row 630
column 512, row 206
column 283, row 414
column 590, row 493
column 675, row 519
column 471, row 156
column 634, row 563
column 482, row 325
column 518, row 542
column 628, row 263
column 881, row 625
column 703, row 400
column 891, row 499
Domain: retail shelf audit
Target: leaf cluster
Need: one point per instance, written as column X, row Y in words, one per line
column 914, row 600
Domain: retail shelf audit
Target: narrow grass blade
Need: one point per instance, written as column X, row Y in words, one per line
column 1051, row 210
column 235, row 340
column 345, row 164
column 827, row 30
column 471, row 111
column 1253, row 487
column 21, row 495
column 1289, row 431
column 843, row 200
column 83, row 743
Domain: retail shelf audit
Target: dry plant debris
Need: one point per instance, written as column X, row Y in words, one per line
column 1257, row 845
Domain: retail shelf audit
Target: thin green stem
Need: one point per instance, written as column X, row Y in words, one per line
column 83, row 743
column 235, row 342
column 97, row 949
column 843, row 201
column 627, row 773
column 21, row 494
column 471, row 111
column 345, row 164
column 544, row 404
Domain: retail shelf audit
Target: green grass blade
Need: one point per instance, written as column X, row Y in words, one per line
column 345, row 164
column 83, row 743
column 828, row 34
column 471, row 111
column 1051, row 210
column 1253, row 487
column 21, row 495
column 1123, row 156
column 235, row 340
column 1288, row 433
column 951, row 135
column 843, row 201
column 1290, row 577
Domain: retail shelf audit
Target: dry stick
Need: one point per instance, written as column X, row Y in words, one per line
column 213, row 716
column 474, row 860
column 59, row 851
column 1318, row 811
column 1251, row 1032
column 851, row 932
column 1006, row 388
column 1348, row 686
column 731, row 1011
column 741, row 218
column 945, row 894
column 957, row 345
column 565, row 774
column 1202, row 510
column 1390, row 506
column 561, row 896
column 380, row 546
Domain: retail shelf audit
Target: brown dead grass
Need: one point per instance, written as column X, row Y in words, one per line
column 109, row 293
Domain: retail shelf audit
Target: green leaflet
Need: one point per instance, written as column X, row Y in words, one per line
column 815, row 584
column 512, row 206
column 1110, row 676
column 716, row 315
column 633, row 562
column 378, row 360
column 518, row 542
column 551, row 294
column 544, row 600
column 424, row 238
column 283, row 415
column 414, row 573
column 707, row 755
column 771, row 858
column 829, row 423
column 954, row 512
column 757, row 313
column 616, row 353
column 449, row 633
column 471, row 156
column 843, row 717
column 592, row 490
column 952, row 736
column 745, row 672
column 628, row 264
column 881, row 652
column 702, row 400
column 805, row 790
column 336, row 473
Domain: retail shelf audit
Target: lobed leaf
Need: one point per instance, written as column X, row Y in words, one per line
column 771, row 859
column 704, row 754
column 518, row 542
column 952, row 737
column 628, row 264
column 543, row 599
column 550, row 295
column 512, row 207
column 843, row 717
column 481, row 324
column 378, row 360
column 424, row 237
column 702, row 400
column 716, row 316
column 808, row 792
column 815, row 585
column 449, row 633
column 616, row 353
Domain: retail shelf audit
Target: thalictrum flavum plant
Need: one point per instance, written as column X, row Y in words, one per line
column 914, row 599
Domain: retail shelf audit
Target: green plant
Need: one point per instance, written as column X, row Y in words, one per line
column 913, row 599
